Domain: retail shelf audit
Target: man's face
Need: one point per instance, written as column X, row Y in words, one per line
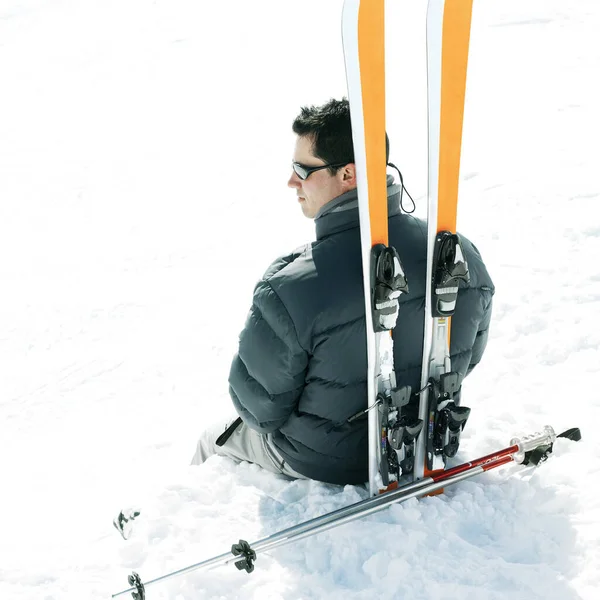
column 321, row 186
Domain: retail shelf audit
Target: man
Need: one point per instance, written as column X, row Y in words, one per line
column 300, row 373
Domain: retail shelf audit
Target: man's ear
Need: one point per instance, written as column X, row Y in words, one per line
column 349, row 175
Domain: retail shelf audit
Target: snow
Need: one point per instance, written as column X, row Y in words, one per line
column 144, row 154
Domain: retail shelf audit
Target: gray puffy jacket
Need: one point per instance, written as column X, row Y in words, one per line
column 300, row 371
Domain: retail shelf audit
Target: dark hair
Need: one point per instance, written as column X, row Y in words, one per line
column 330, row 128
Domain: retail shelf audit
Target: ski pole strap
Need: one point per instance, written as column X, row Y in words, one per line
column 573, row 434
column 542, row 453
column 220, row 441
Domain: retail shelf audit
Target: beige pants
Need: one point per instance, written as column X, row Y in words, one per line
column 244, row 444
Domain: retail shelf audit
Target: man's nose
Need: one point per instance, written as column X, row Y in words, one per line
column 294, row 181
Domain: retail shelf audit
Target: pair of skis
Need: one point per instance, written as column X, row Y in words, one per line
column 399, row 443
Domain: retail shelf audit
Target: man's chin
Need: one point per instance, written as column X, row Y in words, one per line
column 306, row 211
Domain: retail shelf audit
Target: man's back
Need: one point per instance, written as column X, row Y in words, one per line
column 300, row 374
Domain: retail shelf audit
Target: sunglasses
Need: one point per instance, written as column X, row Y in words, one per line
column 303, row 171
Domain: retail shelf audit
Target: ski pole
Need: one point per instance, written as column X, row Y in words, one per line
column 243, row 554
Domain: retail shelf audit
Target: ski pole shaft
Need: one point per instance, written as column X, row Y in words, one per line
column 340, row 516
column 361, row 509
column 323, row 523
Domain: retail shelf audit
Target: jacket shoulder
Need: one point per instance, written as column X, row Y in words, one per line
column 321, row 288
column 282, row 262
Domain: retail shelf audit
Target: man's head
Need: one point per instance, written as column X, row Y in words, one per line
column 324, row 138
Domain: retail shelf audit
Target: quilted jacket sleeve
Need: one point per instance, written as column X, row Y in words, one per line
column 482, row 337
column 268, row 373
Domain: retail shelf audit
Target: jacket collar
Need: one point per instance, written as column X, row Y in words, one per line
column 341, row 213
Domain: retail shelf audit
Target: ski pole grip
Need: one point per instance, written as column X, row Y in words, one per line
column 546, row 437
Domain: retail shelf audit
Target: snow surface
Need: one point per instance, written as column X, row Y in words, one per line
column 144, row 154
